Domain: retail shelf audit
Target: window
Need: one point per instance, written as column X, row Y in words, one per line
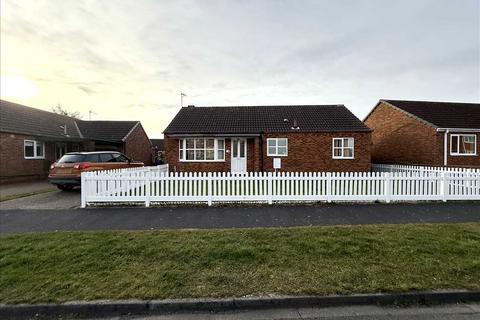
column 106, row 157
column 118, row 157
column 72, row 158
column 34, row 149
column 463, row 144
column 343, row 148
column 201, row 149
column 277, row 147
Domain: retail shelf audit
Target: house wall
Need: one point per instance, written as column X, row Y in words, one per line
column 399, row 138
column 459, row 161
column 138, row 146
column 306, row 152
column 310, row 152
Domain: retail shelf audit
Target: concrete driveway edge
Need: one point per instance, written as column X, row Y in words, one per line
column 84, row 309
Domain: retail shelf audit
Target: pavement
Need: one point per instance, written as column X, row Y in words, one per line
column 371, row 312
column 234, row 216
column 25, row 187
column 54, row 199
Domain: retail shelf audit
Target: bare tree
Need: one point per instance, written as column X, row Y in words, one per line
column 63, row 111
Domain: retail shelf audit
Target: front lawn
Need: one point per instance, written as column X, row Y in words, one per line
column 55, row 267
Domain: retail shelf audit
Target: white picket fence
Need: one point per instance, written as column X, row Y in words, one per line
column 153, row 186
column 422, row 169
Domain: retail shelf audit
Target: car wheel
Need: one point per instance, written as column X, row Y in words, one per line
column 65, row 188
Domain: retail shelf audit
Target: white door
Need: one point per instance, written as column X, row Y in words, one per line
column 239, row 155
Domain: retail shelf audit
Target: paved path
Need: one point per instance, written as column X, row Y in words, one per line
column 51, row 200
column 25, row 187
column 140, row 218
column 444, row 312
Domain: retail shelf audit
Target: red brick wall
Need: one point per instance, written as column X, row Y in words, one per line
column 171, row 157
column 459, row 161
column 138, row 146
column 14, row 166
column 311, row 152
column 306, row 152
column 402, row 139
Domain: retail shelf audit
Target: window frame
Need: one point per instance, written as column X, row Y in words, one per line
column 459, row 135
column 35, row 145
column 342, row 147
column 276, row 147
column 182, row 149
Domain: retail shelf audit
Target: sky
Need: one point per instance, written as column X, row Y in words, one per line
column 129, row 60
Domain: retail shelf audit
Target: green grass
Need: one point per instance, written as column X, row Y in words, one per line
column 56, row 267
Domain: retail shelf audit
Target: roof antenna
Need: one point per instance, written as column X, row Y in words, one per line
column 90, row 112
column 181, row 98
column 295, row 125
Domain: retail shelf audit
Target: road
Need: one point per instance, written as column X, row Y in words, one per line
column 235, row 216
column 445, row 312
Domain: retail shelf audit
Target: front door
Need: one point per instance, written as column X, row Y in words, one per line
column 60, row 150
column 239, row 155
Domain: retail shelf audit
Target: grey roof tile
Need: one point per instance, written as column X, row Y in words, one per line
column 257, row 119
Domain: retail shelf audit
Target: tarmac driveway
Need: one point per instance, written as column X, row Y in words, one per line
column 49, row 200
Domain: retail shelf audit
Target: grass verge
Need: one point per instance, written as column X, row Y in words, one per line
column 26, row 194
column 56, row 267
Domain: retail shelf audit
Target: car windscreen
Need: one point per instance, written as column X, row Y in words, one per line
column 72, row 158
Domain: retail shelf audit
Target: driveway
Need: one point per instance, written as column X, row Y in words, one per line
column 48, row 200
column 140, row 218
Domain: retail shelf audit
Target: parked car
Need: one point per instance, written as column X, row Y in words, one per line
column 65, row 173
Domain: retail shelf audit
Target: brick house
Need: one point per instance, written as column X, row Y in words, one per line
column 265, row 138
column 31, row 139
column 425, row 133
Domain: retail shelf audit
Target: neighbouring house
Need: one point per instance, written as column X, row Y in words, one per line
column 31, row 139
column 158, row 149
column 425, row 133
column 267, row 138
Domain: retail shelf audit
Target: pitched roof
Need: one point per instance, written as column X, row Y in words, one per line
column 159, row 143
column 257, row 119
column 20, row 119
column 442, row 114
column 17, row 118
column 112, row 131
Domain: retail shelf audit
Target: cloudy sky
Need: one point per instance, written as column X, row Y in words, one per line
column 129, row 60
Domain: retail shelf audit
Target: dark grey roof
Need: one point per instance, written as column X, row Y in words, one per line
column 442, row 114
column 113, row 131
column 257, row 119
column 159, row 143
column 17, row 118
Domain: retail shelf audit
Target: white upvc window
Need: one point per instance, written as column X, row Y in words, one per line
column 277, row 147
column 201, row 150
column 343, row 148
column 33, row 149
column 463, row 145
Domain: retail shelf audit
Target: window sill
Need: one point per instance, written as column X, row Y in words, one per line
column 200, row 161
column 277, row 155
column 463, row 154
column 343, row 158
column 34, row 158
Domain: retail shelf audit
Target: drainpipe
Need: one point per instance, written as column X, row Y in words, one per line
column 445, row 148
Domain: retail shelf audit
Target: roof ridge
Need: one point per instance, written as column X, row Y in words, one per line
column 427, row 101
column 272, row 105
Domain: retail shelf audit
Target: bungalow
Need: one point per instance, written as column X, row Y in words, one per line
column 31, row 139
column 425, row 133
column 267, row 138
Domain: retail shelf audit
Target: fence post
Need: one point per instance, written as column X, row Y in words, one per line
column 209, row 188
column 329, row 187
column 387, row 186
column 444, row 186
column 146, row 176
column 269, row 187
column 83, row 190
